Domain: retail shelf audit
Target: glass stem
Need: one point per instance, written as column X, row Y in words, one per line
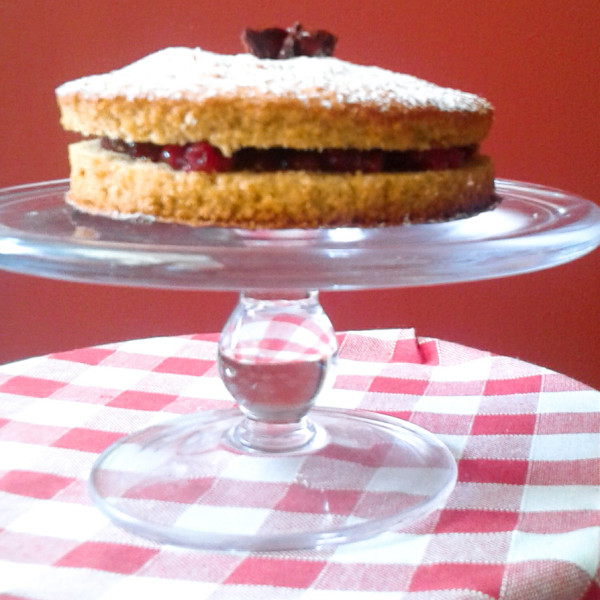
column 276, row 355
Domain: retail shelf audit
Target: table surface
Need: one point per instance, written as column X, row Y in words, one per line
column 523, row 521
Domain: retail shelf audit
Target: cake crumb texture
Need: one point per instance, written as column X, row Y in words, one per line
column 106, row 182
column 182, row 95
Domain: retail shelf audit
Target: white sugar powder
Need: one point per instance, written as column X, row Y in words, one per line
column 193, row 74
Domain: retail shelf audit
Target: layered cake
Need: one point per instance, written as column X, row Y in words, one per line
column 284, row 136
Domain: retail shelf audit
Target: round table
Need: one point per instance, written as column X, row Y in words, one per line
column 522, row 522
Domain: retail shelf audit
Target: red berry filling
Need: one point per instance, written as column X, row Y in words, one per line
column 201, row 156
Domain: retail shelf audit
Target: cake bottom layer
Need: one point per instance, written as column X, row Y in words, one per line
column 110, row 183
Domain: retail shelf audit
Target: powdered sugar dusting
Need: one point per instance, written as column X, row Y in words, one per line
column 193, row 74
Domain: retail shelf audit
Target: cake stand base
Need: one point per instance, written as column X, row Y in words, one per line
column 187, row 483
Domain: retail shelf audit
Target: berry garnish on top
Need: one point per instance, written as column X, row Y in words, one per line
column 277, row 43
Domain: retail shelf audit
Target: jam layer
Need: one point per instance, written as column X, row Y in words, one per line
column 201, row 156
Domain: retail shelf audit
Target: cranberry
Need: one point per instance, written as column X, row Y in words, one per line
column 455, row 157
column 317, row 43
column 264, row 44
column 304, row 161
column 253, row 159
column 395, row 161
column 275, row 42
column 146, row 150
column 438, row 159
column 371, row 161
column 173, row 155
column 201, row 156
column 434, row 160
column 291, row 42
column 340, row 161
column 417, row 160
column 350, row 161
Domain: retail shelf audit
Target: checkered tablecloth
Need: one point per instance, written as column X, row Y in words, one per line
column 523, row 521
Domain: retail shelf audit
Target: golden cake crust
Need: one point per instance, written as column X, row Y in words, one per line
column 181, row 95
column 111, row 183
column 234, row 123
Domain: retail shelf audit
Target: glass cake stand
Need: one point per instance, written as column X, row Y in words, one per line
column 260, row 476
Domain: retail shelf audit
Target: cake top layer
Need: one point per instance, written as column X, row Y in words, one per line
column 193, row 74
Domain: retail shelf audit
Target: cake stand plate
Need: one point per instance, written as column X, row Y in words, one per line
column 259, row 477
column 533, row 228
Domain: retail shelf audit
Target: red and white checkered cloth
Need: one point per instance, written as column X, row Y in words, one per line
column 523, row 521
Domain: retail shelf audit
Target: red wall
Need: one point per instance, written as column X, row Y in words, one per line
column 537, row 61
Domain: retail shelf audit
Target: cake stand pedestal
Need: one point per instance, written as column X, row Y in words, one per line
column 175, row 481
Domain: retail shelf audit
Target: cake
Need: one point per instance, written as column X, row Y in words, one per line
column 190, row 136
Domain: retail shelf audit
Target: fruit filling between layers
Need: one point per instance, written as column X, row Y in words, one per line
column 202, row 156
